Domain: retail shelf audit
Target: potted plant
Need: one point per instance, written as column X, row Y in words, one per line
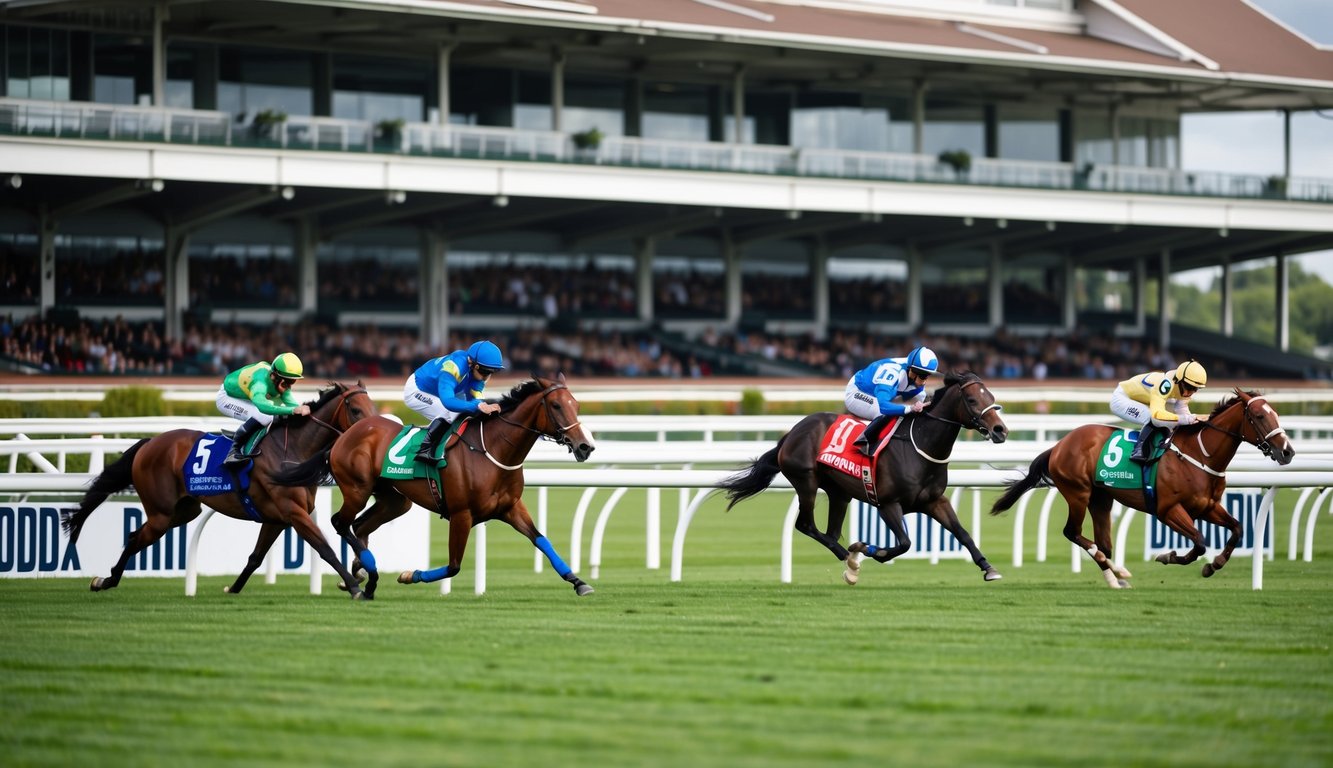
column 589, row 139
column 958, row 159
column 268, row 123
column 389, row 133
column 1276, row 186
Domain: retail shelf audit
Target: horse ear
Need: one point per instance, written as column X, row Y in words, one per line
column 560, row 377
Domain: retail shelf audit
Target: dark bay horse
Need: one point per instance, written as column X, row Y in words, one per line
column 482, row 481
column 154, row 466
column 911, row 474
column 1190, row 480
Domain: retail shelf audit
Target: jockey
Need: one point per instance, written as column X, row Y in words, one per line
column 889, row 387
column 255, row 394
column 447, row 386
column 1158, row 399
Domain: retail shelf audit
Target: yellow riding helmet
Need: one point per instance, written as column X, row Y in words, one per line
column 1191, row 372
column 288, row 366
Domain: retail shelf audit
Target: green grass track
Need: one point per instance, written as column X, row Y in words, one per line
column 919, row 665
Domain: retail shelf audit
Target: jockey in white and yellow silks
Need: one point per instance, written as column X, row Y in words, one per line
column 1158, row 400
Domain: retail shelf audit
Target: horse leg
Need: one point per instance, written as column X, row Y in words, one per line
column 1099, row 508
column 1217, row 515
column 1178, row 520
column 892, row 514
column 305, row 527
column 268, row 533
column 521, row 520
column 388, row 506
column 460, row 527
column 942, row 510
column 1078, row 500
column 157, row 524
column 806, row 488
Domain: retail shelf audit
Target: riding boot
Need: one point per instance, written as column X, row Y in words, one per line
column 1141, row 448
column 238, row 455
column 433, row 434
column 870, row 437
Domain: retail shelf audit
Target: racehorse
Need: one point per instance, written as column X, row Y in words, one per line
column 910, row 475
column 482, row 481
column 155, row 467
column 1189, row 485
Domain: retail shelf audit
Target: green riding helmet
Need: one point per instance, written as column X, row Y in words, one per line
column 288, row 366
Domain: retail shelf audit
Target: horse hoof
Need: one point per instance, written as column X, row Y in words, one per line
column 342, row 585
column 96, row 585
column 1123, row 573
column 226, row 590
column 1124, row 584
column 1164, row 558
column 582, row 589
column 360, row 575
column 851, row 577
column 993, row 575
column 358, row 595
column 405, row 577
column 1208, row 570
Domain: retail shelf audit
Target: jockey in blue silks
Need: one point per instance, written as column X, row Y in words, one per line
column 450, row 385
column 888, row 388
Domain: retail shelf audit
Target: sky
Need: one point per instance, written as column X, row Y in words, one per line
column 1210, row 142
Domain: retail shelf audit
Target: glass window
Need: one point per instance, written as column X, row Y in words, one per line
column 689, row 287
column 1029, row 134
column 868, row 285
column 1032, row 286
column 20, row 276
column 238, row 275
column 182, row 66
column 359, row 277
column 775, row 284
column 253, row 80
column 953, row 125
column 955, row 287
column 125, row 271
column 675, row 111
column 38, row 63
column 369, row 88
column 851, row 121
column 483, row 97
column 122, row 70
column 594, row 103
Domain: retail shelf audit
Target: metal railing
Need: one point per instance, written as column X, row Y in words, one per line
column 84, row 120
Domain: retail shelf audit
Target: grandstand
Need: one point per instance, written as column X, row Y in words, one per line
column 675, row 188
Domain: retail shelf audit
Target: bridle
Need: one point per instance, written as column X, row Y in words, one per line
column 1261, row 441
column 560, row 437
column 976, row 421
column 342, row 401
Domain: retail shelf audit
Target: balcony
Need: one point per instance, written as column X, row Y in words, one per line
column 82, row 120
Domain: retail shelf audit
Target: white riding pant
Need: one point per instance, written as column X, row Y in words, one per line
column 240, row 409
column 858, row 403
column 1130, row 409
column 426, row 404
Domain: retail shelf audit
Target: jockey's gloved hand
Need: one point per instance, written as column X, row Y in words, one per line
column 916, row 407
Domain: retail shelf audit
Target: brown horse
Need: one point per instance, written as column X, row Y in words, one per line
column 1189, row 485
column 911, row 474
column 482, row 481
column 154, row 466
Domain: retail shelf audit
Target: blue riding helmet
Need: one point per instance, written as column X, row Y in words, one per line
column 486, row 355
column 923, row 359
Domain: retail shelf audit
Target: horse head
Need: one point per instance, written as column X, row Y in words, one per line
column 555, row 415
column 339, row 406
column 973, row 405
column 1262, row 425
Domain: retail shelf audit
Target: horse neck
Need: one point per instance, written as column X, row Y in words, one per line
column 1220, row 447
column 934, row 433
column 510, row 437
column 309, row 437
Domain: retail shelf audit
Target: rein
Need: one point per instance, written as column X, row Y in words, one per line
column 342, row 400
column 560, row 438
column 976, row 424
column 1261, row 441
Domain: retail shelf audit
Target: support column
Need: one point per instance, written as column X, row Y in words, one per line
column 1228, row 311
column 307, row 268
column 160, row 16
column 914, row 263
column 322, row 87
column 819, row 277
column 919, row 117
column 557, row 89
column 644, row 250
column 1286, row 143
column 1283, row 295
column 1069, row 300
column 176, row 252
column 1141, row 293
column 442, row 95
column 634, row 106
column 731, row 257
column 1164, row 300
column 434, row 289
column 46, row 248
column 996, row 285
column 738, row 106
column 1115, row 146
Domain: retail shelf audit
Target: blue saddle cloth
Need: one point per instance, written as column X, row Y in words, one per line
column 205, row 476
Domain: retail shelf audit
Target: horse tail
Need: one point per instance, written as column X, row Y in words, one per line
column 759, row 476
column 313, row 471
column 1015, row 488
column 113, row 479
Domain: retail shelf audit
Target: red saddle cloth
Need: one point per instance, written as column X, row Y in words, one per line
column 836, row 449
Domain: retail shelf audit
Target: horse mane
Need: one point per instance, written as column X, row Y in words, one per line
column 325, row 395
column 521, row 391
column 951, row 378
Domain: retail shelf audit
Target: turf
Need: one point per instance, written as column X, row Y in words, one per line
column 918, row 665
